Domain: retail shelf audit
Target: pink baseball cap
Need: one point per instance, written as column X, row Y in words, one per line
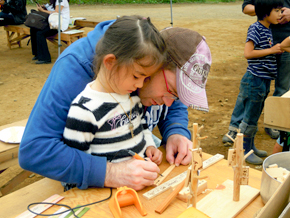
column 190, row 52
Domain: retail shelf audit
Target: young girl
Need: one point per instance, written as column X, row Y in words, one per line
column 38, row 37
column 105, row 118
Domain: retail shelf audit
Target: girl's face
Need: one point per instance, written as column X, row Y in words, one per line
column 130, row 78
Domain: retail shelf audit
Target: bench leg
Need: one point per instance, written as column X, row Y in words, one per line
column 19, row 42
column 8, row 39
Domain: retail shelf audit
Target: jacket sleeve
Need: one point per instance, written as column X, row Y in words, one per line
column 42, row 149
column 175, row 122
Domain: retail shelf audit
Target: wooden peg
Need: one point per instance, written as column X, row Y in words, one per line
column 239, row 166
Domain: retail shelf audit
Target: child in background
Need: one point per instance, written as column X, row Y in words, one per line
column 105, row 118
column 255, row 84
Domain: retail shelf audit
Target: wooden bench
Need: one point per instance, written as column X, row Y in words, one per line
column 17, row 33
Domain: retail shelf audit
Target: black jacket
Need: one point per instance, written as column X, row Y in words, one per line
column 17, row 8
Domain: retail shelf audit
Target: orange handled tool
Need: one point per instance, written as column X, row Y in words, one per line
column 135, row 155
column 138, row 157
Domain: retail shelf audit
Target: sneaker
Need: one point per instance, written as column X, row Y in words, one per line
column 273, row 133
column 226, row 140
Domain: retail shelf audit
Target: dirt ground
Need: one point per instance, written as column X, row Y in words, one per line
column 224, row 26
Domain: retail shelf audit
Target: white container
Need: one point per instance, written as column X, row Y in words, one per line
column 268, row 184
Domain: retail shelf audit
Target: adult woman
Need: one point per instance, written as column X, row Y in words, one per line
column 38, row 37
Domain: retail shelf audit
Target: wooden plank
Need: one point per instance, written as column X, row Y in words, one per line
column 11, row 177
column 8, row 163
column 9, row 154
column 170, row 198
column 16, row 202
column 278, row 201
column 10, row 148
column 219, row 203
column 85, row 23
column 160, row 179
column 276, row 112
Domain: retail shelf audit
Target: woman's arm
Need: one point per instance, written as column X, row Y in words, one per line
column 56, row 10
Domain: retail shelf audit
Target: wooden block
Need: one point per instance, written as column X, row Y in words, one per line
column 231, row 157
column 11, row 177
column 197, row 159
column 192, row 213
column 219, row 203
column 273, row 166
column 185, row 192
column 245, row 175
column 275, row 172
column 276, row 114
column 160, row 179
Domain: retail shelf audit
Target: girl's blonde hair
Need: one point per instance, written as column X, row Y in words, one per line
column 131, row 38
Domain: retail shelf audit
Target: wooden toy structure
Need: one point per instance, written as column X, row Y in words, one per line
column 193, row 176
column 236, row 160
column 236, row 194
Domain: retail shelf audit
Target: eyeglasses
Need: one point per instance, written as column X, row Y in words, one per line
column 172, row 96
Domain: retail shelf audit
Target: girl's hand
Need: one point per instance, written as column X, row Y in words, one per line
column 154, row 154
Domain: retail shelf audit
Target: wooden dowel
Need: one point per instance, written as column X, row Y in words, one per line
column 238, row 167
column 248, row 154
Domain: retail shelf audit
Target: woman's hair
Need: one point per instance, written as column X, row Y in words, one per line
column 263, row 8
column 131, row 38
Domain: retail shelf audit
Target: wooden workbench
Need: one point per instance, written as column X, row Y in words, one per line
column 16, row 202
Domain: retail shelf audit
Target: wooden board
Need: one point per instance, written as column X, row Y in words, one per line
column 219, row 203
column 277, row 203
column 11, row 177
column 276, row 112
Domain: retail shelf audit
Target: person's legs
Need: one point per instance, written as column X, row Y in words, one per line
column 257, row 90
column 6, row 19
column 33, row 39
column 42, row 48
column 237, row 115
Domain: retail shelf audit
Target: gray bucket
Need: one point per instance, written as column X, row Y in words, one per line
column 268, row 184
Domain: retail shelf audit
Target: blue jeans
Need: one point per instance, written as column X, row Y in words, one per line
column 282, row 82
column 250, row 103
